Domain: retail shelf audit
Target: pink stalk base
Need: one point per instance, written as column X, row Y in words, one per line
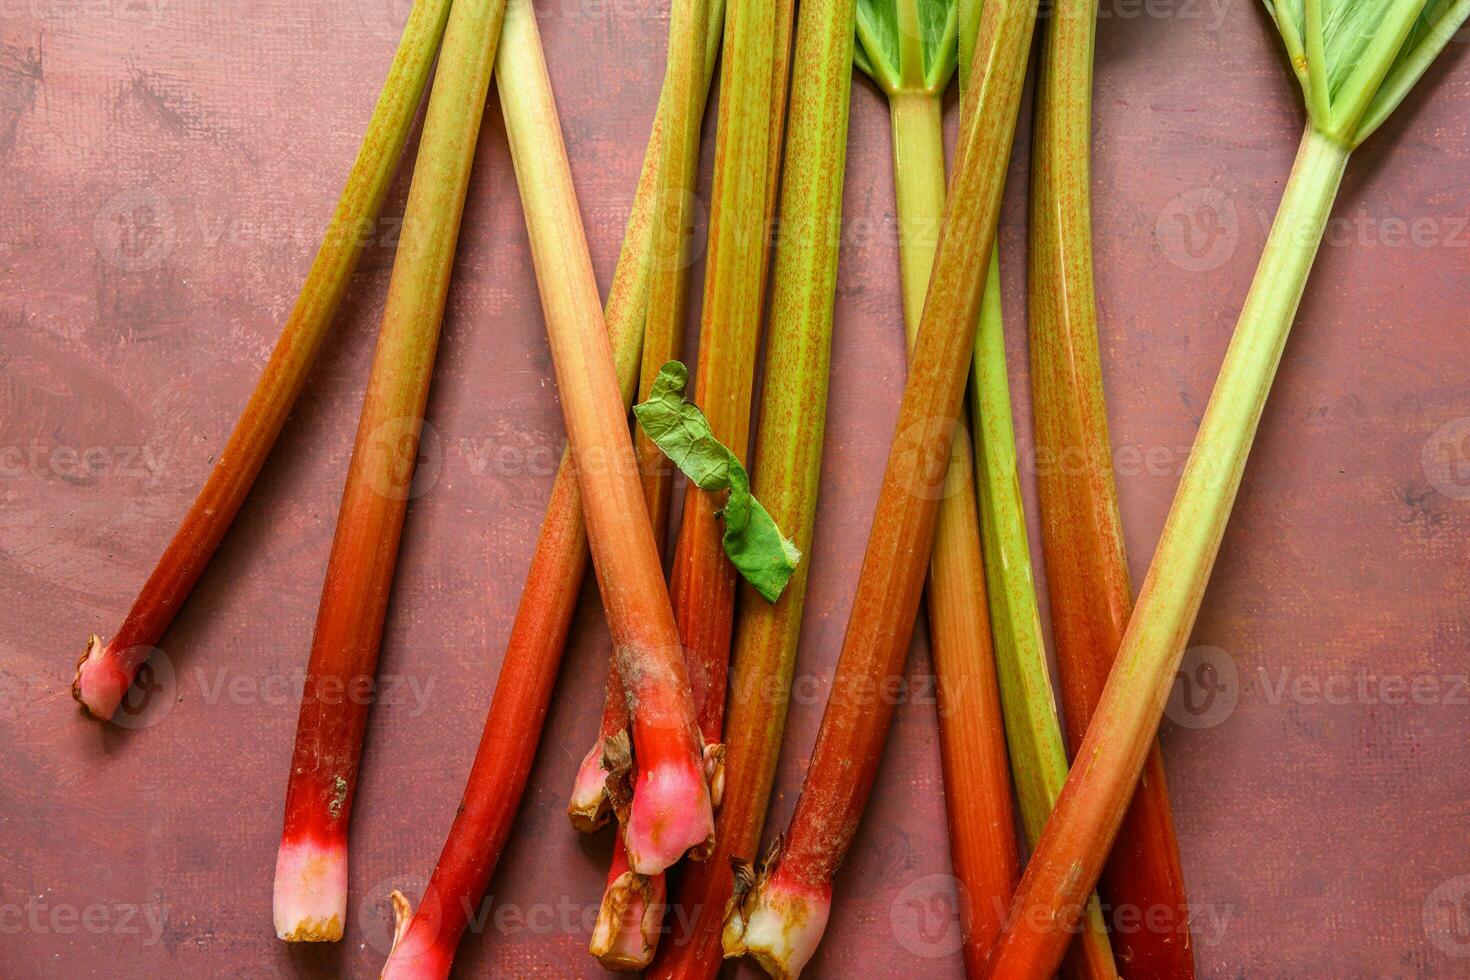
column 661, row 823
column 311, row 891
column 627, row 930
column 103, row 680
column 588, row 809
column 779, row 923
column 414, row 957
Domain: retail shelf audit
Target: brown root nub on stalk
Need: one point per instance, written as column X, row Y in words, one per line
column 627, row 931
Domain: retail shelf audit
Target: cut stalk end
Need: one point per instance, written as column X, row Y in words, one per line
column 670, row 814
column 778, row 922
column 588, row 808
column 102, row 679
column 626, row 935
column 310, row 903
column 413, row 956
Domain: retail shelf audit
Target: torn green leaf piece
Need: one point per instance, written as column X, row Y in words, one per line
column 755, row 546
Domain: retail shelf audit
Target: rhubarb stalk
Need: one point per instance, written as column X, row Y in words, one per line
column 670, row 202
column 788, row 462
column 1355, row 66
column 670, row 811
column 106, row 670
column 747, row 147
column 781, row 920
column 523, row 690
column 913, row 66
column 1082, row 534
column 1033, row 733
column 311, row 867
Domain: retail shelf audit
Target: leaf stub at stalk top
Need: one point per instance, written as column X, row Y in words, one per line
column 755, row 545
column 1357, row 59
column 907, row 45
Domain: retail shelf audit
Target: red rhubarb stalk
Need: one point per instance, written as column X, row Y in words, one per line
column 429, row 935
column 670, row 811
column 747, row 154
column 1087, row 571
column 311, row 868
column 628, row 920
column 1355, row 62
column 106, row 670
column 668, row 204
column 913, row 68
column 788, row 461
column 781, row 920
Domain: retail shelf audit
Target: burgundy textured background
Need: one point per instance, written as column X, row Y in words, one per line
column 167, row 168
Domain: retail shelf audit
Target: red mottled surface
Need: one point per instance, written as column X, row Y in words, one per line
column 165, row 169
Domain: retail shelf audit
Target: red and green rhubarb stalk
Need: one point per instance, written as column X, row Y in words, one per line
column 781, row 919
column 747, row 153
column 1033, row 733
column 670, row 217
column 670, row 811
column 1082, row 533
column 430, row 934
column 311, row 868
column 106, row 670
column 908, row 48
column 788, row 462
column 1355, row 62
column 627, row 928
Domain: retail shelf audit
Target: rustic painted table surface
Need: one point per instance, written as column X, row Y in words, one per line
column 167, row 168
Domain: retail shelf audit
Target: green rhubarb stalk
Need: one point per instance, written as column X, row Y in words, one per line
column 1033, row 732
column 908, row 48
column 1355, row 62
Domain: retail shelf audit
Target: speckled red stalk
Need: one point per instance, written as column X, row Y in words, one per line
column 106, row 670
column 670, row 812
column 310, row 903
column 788, row 462
column 1082, row 532
column 528, row 670
column 845, row 760
column 747, row 169
column 588, row 807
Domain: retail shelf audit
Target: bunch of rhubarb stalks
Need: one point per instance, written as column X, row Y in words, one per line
column 1050, row 825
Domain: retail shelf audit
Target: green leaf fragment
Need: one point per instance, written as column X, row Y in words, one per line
column 754, row 544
